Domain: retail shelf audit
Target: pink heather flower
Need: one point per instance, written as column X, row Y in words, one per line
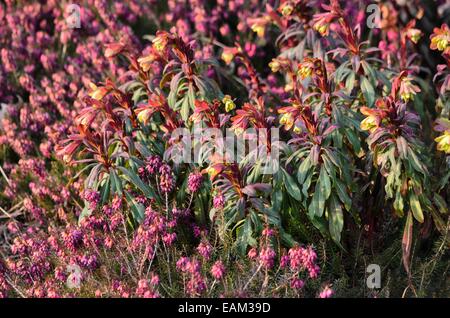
column 154, row 280
column 267, row 257
column 89, row 262
column 218, row 270
column 268, row 232
column 297, row 283
column 169, row 238
column 141, row 172
column 284, row 261
column 314, row 271
column 73, row 239
column 194, row 266
column 304, row 258
column 116, row 203
column 195, row 180
column 166, row 180
column 152, row 164
column 253, row 253
column 8, row 60
column 219, row 201
column 183, row 264
column 198, row 231
column 143, row 284
column 205, row 249
column 93, row 197
column 60, row 274
column 327, row 292
column 196, row 285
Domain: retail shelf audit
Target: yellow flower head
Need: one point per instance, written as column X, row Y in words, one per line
column 305, row 71
column 286, row 9
column 322, row 27
column 160, row 41
column 97, row 92
column 441, row 38
column 297, row 130
column 287, row 120
column 229, row 104
column 407, row 89
column 414, row 35
column 260, row 29
column 259, row 26
column 238, row 130
column 369, row 124
column 274, row 65
column 443, row 142
column 227, row 55
column 145, row 62
column 144, row 115
column 288, row 87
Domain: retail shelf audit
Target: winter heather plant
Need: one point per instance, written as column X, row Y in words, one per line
column 354, row 116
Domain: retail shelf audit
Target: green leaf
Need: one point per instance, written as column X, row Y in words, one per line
column 185, row 109
column 342, row 194
column 440, row 203
column 319, row 223
column 318, row 202
column 407, row 242
column 191, row 96
column 335, row 220
column 136, row 181
column 416, row 163
column 415, row 207
column 116, row 182
column 85, row 212
column 368, row 91
column 137, row 209
column 325, row 183
column 292, row 186
column 398, row 204
column 303, row 170
column 105, row 190
column 350, row 82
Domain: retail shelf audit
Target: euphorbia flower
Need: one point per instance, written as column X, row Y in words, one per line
column 228, row 54
column 414, row 35
column 371, row 122
column 114, row 49
column 98, row 92
column 258, row 25
column 321, row 25
column 408, row 89
column 440, row 39
column 278, row 63
column 306, row 68
column 286, row 8
column 145, row 62
column 229, row 103
column 287, row 120
column 161, row 40
column 443, row 142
